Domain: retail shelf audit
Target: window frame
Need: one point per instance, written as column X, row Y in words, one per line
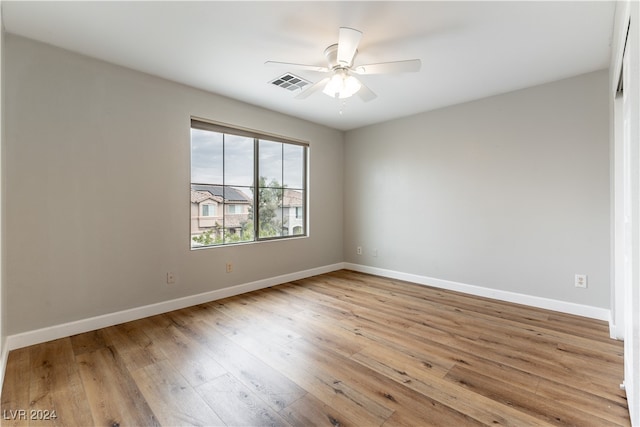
column 257, row 136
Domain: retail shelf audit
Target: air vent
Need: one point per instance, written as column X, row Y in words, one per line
column 290, row 82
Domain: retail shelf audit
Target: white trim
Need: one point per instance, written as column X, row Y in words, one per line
column 614, row 330
column 546, row 303
column 4, row 356
column 85, row 325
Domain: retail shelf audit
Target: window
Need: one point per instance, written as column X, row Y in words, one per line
column 235, row 209
column 258, row 182
column 208, row 210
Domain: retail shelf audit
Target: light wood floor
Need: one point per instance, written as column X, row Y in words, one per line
column 341, row 349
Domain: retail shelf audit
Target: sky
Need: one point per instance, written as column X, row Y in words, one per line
column 280, row 162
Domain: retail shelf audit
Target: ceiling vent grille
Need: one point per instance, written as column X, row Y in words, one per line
column 290, row 82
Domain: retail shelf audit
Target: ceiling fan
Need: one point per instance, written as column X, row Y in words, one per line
column 341, row 83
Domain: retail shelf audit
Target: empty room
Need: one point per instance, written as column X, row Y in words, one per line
column 320, row 213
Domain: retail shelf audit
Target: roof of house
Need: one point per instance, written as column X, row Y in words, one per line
column 201, row 196
column 200, row 192
column 292, row 198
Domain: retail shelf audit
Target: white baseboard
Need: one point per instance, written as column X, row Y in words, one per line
column 85, row 325
column 539, row 302
column 4, row 356
column 615, row 332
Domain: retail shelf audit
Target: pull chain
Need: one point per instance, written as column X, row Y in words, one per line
column 342, row 105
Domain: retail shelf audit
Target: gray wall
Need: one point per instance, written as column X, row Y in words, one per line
column 509, row 192
column 97, row 190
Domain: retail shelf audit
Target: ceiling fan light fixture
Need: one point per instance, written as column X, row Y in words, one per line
column 342, row 85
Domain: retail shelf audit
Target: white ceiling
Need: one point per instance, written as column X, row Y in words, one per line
column 469, row 50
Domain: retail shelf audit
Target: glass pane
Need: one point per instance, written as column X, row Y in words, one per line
column 206, row 157
column 270, row 212
column 206, row 215
column 293, row 211
column 208, row 237
column 238, row 218
column 238, row 160
column 293, row 157
column 270, row 166
column 208, row 210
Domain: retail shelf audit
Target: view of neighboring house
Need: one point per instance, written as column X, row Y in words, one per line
column 292, row 212
column 216, row 208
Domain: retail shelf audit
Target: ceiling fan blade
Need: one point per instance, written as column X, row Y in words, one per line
column 298, row 66
column 365, row 93
column 408, row 66
column 313, row 89
column 348, row 41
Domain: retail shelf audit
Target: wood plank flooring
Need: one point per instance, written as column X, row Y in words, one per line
column 340, row 349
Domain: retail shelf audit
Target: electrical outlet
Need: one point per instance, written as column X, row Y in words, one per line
column 171, row 278
column 229, row 267
column 374, row 253
column 581, row 281
column 359, row 250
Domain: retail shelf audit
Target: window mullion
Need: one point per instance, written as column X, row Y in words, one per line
column 224, row 177
column 256, row 189
column 305, row 200
column 281, row 201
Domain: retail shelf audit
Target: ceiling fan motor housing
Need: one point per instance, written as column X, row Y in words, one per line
column 331, row 53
